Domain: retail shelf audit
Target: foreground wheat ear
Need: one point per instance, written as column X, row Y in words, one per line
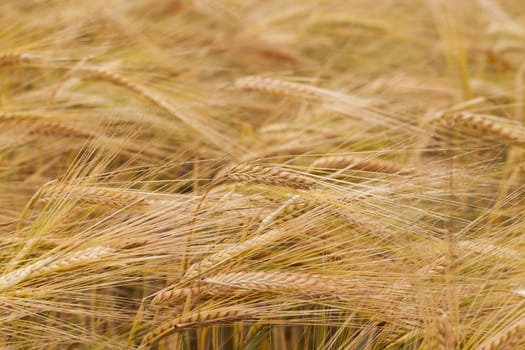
column 13, row 58
column 508, row 338
column 198, row 319
column 298, row 284
column 484, row 126
column 51, row 264
column 273, row 176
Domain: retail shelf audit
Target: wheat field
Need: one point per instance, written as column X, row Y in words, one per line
column 243, row 174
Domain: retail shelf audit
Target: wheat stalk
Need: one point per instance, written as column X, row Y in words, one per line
column 97, row 73
column 197, row 319
column 233, row 250
column 277, row 282
column 353, row 162
column 6, row 117
column 42, row 127
column 301, row 283
column 51, row 129
column 13, row 58
column 172, row 295
column 445, row 333
column 507, row 338
column 273, row 176
column 50, row 264
column 291, row 208
column 279, row 88
column 96, row 196
column 481, row 124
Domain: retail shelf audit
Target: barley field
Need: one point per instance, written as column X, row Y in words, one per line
column 276, row 175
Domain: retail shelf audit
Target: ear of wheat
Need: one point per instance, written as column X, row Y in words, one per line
column 214, row 260
column 53, row 129
column 279, row 88
column 97, row 73
column 42, row 127
column 96, row 196
column 301, row 283
column 197, row 319
column 482, row 125
column 506, row 339
column 172, row 295
column 445, row 333
column 52, row 263
column 273, row 176
column 13, row 58
column 353, row 162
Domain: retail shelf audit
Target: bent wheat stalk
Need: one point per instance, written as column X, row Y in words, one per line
column 302, row 284
column 102, row 74
column 481, row 124
column 171, row 295
column 197, row 319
